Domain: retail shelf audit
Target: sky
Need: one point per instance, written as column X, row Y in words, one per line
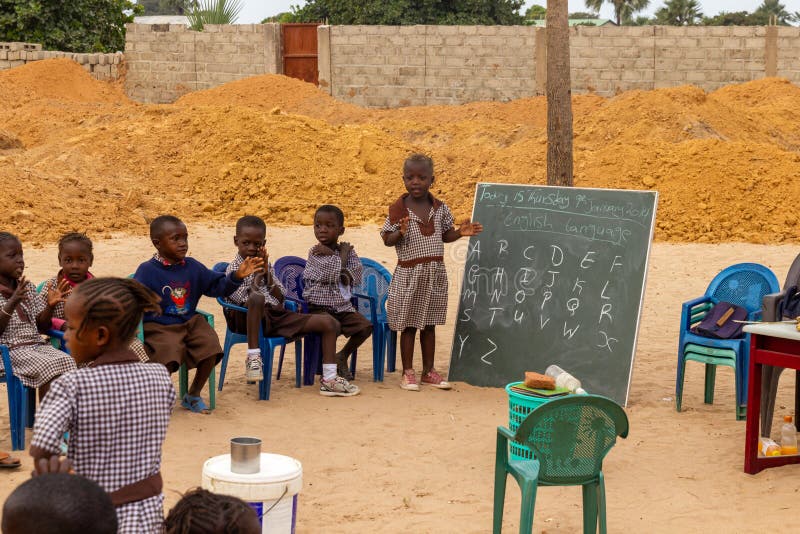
column 258, row 10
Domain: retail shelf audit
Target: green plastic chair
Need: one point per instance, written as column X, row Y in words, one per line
column 569, row 437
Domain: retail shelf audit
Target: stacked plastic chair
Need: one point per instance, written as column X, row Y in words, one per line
column 745, row 285
column 375, row 285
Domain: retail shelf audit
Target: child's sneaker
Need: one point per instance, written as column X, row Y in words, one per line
column 409, row 380
column 253, row 368
column 338, row 387
column 433, row 378
column 342, row 369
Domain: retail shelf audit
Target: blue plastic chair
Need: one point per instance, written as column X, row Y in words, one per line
column 267, row 346
column 375, row 284
column 21, row 402
column 745, row 285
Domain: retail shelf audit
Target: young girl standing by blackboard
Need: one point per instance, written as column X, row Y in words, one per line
column 418, row 225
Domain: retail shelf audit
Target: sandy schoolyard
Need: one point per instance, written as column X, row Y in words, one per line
column 397, row 461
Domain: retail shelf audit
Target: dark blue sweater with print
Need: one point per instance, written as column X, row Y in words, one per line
column 181, row 286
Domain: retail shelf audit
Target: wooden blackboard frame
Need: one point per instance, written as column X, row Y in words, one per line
column 646, row 264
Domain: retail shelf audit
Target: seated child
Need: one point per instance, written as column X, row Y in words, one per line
column 75, row 257
column 115, row 408
column 59, row 502
column 332, row 270
column 180, row 335
column 262, row 293
column 210, row 513
column 24, row 315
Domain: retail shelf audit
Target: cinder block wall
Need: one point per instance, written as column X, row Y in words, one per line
column 101, row 66
column 389, row 66
column 166, row 61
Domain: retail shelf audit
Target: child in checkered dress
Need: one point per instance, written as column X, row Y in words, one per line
column 418, row 225
column 262, row 294
column 75, row 257
column 24, row 315
column 115, row 408
column 332, row 269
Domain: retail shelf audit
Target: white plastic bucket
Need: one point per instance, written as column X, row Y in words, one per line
column 272, row 492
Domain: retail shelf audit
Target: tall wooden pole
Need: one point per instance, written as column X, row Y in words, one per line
column 559, row 96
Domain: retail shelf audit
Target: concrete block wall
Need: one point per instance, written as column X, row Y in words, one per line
column 101, row 66
column 166, row 61
column 788, row 53
column 388, row 66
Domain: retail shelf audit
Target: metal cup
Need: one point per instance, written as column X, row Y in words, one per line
column 245, row 455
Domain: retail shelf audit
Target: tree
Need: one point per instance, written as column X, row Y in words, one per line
column 583, row 15
column 623, row 9
column 679, row 13
column 71, row 26
column 214, row 12
column 738, row 18
column 536, row 12
column 394, row 12
column 166, row 7
column 559, row 96
column 284, row 17
column 773, row 8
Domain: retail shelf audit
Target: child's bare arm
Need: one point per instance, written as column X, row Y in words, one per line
column 392, row 238
column 9, row 308
column 465, row 229
column 344, row 253
column 55, row 295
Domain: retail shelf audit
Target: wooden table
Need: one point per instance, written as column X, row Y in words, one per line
column 776, row 344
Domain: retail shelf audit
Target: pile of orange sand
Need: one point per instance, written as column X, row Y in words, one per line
column 76, row 154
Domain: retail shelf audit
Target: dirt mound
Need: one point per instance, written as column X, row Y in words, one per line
column 57, row 79
column 723, row 162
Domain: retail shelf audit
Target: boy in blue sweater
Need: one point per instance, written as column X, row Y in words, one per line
column 179, row 335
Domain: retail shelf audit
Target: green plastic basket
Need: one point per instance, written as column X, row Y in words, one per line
column 519, row 406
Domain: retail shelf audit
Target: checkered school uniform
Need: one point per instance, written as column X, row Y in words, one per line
column 35, row 362
column 117, row 417
column 322, row 284
column 239, row 297
column 58, row 313
column 417, row 295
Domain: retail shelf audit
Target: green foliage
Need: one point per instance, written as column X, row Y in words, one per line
column 281, row 18
column 737, row 18
column 166, row 7
column 679, row 13
column 583, row 15
column 536, row 12
column 624, row 10
column 214, row 12
column 773, row 8
column 396, row 12
column 71, row 26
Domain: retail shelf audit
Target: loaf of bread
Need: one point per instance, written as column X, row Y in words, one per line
column 539, row 381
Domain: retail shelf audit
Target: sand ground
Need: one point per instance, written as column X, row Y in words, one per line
column 400, row 461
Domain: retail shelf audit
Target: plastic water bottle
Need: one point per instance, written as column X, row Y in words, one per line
column 788, row 436
column 564, row 379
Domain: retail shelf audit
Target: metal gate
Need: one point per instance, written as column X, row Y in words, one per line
column 300, row 51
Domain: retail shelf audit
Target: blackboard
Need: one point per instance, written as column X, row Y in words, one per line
column 557, row 276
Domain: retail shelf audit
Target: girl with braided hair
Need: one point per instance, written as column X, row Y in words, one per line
column 203, row 512
column 115, row 408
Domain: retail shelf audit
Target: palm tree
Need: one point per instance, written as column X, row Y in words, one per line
column 623, row 9
column 679, row 13
column 214, row 12
column 775, row 8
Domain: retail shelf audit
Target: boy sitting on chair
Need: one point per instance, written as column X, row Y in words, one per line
column 179, row 334
column 332, row 269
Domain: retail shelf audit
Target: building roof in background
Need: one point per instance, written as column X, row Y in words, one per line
column 162, row 19
column 572, row 22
